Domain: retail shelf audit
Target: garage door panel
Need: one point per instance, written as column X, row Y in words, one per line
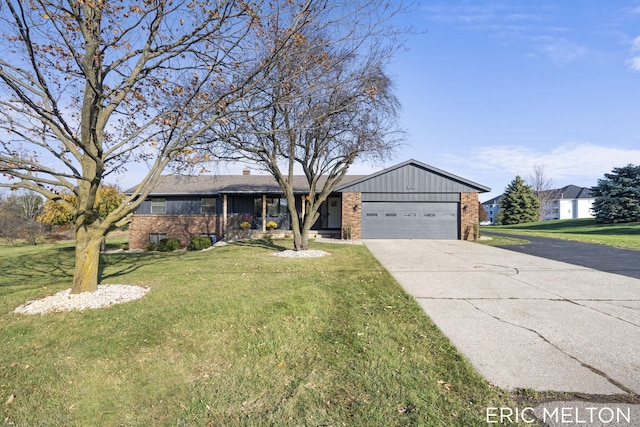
column 386, row 220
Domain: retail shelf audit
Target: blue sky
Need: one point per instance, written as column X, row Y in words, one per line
column 489, row 89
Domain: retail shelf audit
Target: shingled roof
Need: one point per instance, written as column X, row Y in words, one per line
column 571, row 192
column 171, row 185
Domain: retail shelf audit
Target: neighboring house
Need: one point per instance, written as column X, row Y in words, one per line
column 409, row 200
column 568, row 202
column 492, row 207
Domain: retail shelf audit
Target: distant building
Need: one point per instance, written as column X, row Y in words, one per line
column 492, row 207
column 568, row 202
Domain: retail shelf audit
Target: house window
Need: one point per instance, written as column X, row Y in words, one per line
column 276, row 206
column 208, row 205
column 158, row 206
column 155, row 238
column 213, row 237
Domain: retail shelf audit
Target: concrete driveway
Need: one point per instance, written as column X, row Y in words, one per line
column 525, row 321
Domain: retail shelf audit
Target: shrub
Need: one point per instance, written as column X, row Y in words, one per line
column 152, row 247
column 169, row 244
column 245, row 225
column 199, row 243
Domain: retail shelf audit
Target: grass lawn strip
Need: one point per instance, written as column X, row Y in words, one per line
column 232, row 336
column 585, row 230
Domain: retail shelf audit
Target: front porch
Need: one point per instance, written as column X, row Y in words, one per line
column 260, row 211
column 235, row 216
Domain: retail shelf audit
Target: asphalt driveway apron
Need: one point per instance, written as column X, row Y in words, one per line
column 525, row 321
column 600, row 257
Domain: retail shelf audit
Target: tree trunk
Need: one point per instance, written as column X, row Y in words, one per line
column 85, row 273
column 300, row 234
column 301, row 240
column 301, row 243
column 304, row 237
column 298, row 244
column 297, row 241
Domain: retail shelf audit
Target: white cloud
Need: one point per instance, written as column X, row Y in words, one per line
column 562, row 51
column 533, row 31
column 481, row 17
column 563, row 162
column 634, row 63
column 578, row 164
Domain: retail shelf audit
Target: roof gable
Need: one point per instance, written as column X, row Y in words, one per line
column 495, row 201
column 413, row 177
column 569, row 192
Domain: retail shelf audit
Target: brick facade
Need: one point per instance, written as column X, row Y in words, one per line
column 469, row 216
column 352, row 216
column 182, row 227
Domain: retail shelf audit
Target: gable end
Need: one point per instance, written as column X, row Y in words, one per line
column 413, row 177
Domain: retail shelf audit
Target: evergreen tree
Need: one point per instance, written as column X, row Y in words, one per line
column 618, row 196
column 519, row 204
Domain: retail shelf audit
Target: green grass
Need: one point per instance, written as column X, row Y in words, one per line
column 581, row 230
column 496, row 240
column 232, row 336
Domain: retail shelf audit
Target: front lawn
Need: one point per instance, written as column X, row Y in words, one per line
column 582, row 230
column 231, row 336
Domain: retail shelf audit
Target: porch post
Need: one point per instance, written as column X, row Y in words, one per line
column 304, row 207
column 224, row 216
column 264, row 212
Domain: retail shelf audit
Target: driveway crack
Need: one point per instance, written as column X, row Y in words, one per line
column 576, row 302
column 605, row 313
column 546, row 340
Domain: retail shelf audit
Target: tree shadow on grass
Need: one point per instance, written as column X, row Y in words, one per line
column 124, row 263
column 261, row 243
column 31, row 271
column 56, row 265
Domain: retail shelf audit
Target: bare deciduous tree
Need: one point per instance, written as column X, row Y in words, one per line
column 18, row 216
column 541, row 184
column 87, row 87
column 326, row 103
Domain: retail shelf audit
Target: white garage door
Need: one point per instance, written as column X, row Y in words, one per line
column 426, row 220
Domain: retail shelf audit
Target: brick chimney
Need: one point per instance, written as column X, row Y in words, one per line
column 246, row 172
